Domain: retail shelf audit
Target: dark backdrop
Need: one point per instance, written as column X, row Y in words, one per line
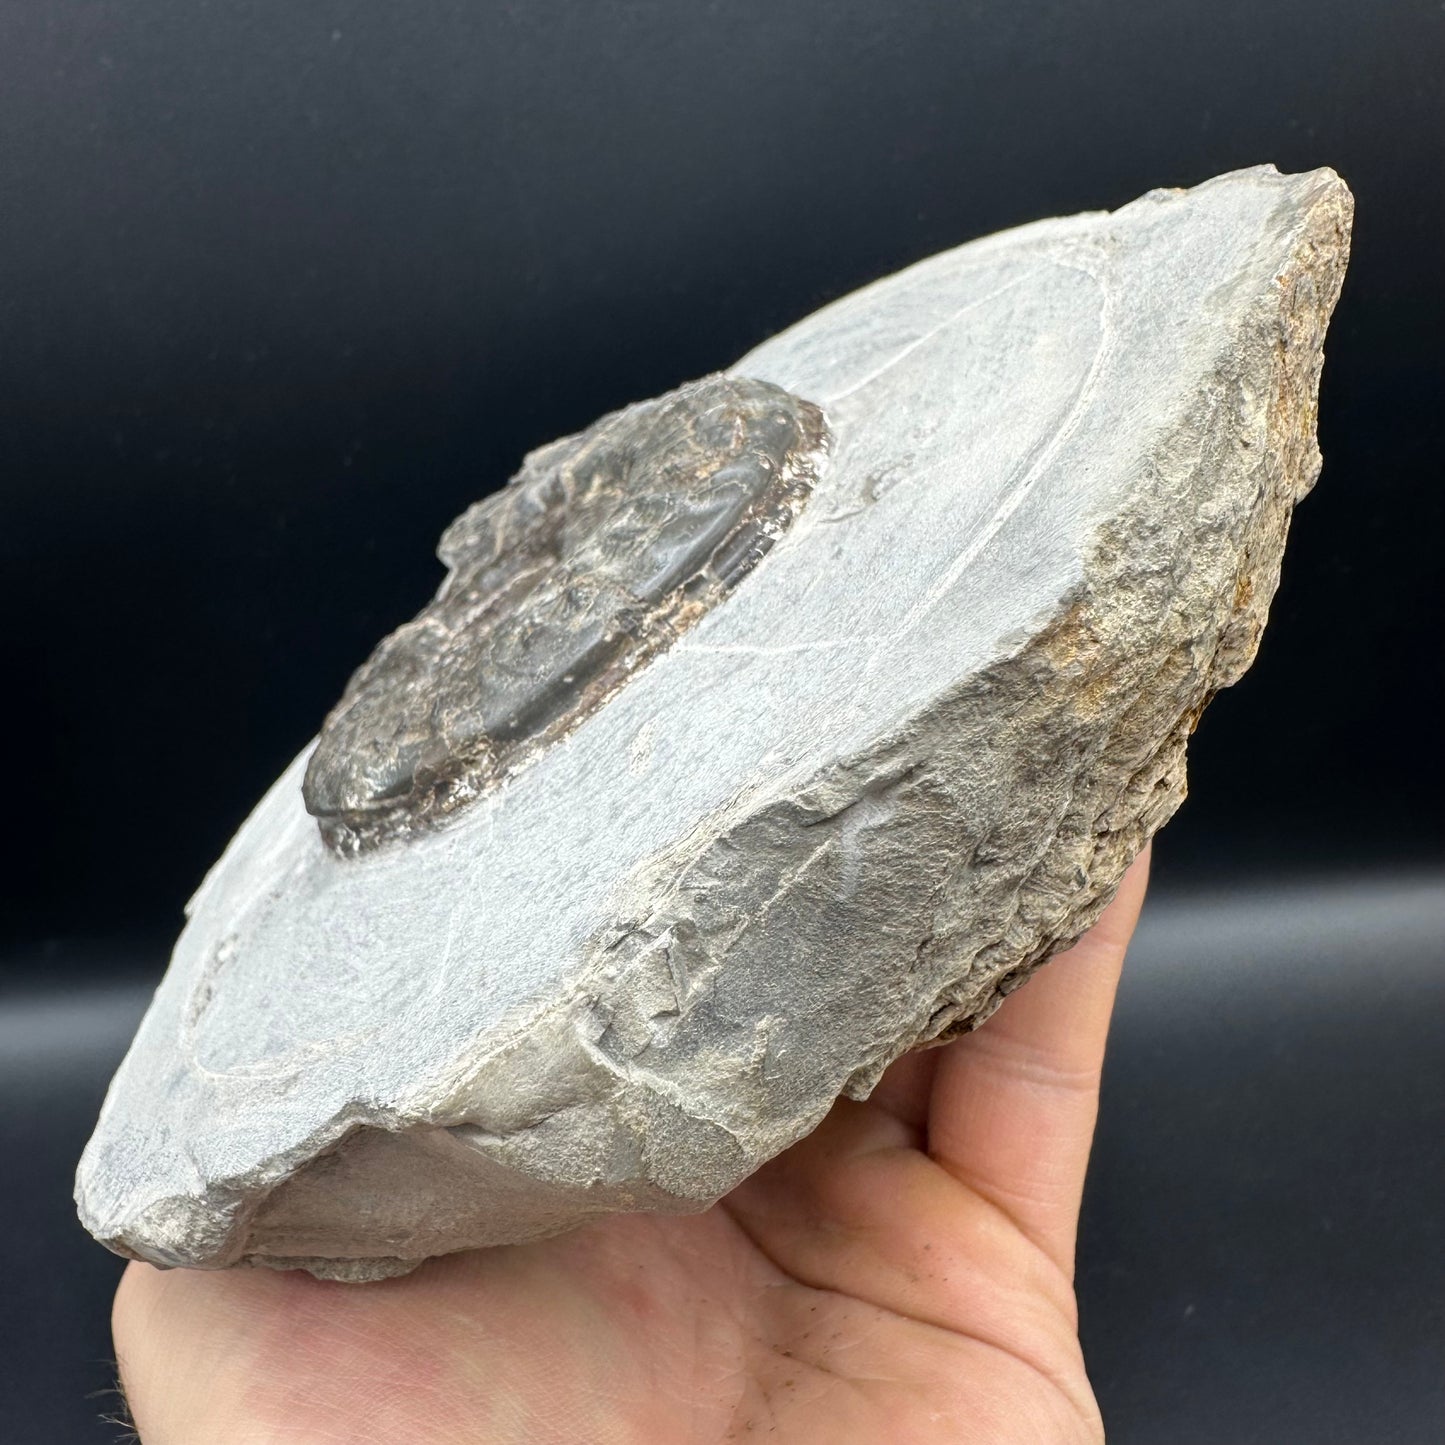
column 284, row 286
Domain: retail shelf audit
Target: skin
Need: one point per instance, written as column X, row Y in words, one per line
column 903, row 1274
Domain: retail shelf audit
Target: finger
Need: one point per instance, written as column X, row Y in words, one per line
column 1014, row 1105
column 905, row 1089
column 163, row 1331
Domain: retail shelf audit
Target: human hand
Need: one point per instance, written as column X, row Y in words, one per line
column 903, row 1275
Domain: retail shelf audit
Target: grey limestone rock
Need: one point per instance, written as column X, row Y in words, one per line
column 758, row 734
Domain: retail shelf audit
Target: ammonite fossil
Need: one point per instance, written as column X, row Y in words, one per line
column 602, row 550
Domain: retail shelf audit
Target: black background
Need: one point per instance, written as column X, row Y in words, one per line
column 284, row 286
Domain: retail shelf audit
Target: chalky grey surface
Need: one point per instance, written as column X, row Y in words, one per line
column 856, row 802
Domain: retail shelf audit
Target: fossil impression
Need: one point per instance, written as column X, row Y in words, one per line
column 759, row 733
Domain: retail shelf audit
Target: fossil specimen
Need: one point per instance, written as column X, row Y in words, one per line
column 758, row 734
column 602, row 551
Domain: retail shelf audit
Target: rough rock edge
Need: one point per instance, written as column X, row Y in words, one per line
column 366, row 1270
column 1127, row 779
column 1106, row 824
column 1130, row 778
column 1123, row 824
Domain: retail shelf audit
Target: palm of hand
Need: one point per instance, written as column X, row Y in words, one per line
column 903, row 1275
